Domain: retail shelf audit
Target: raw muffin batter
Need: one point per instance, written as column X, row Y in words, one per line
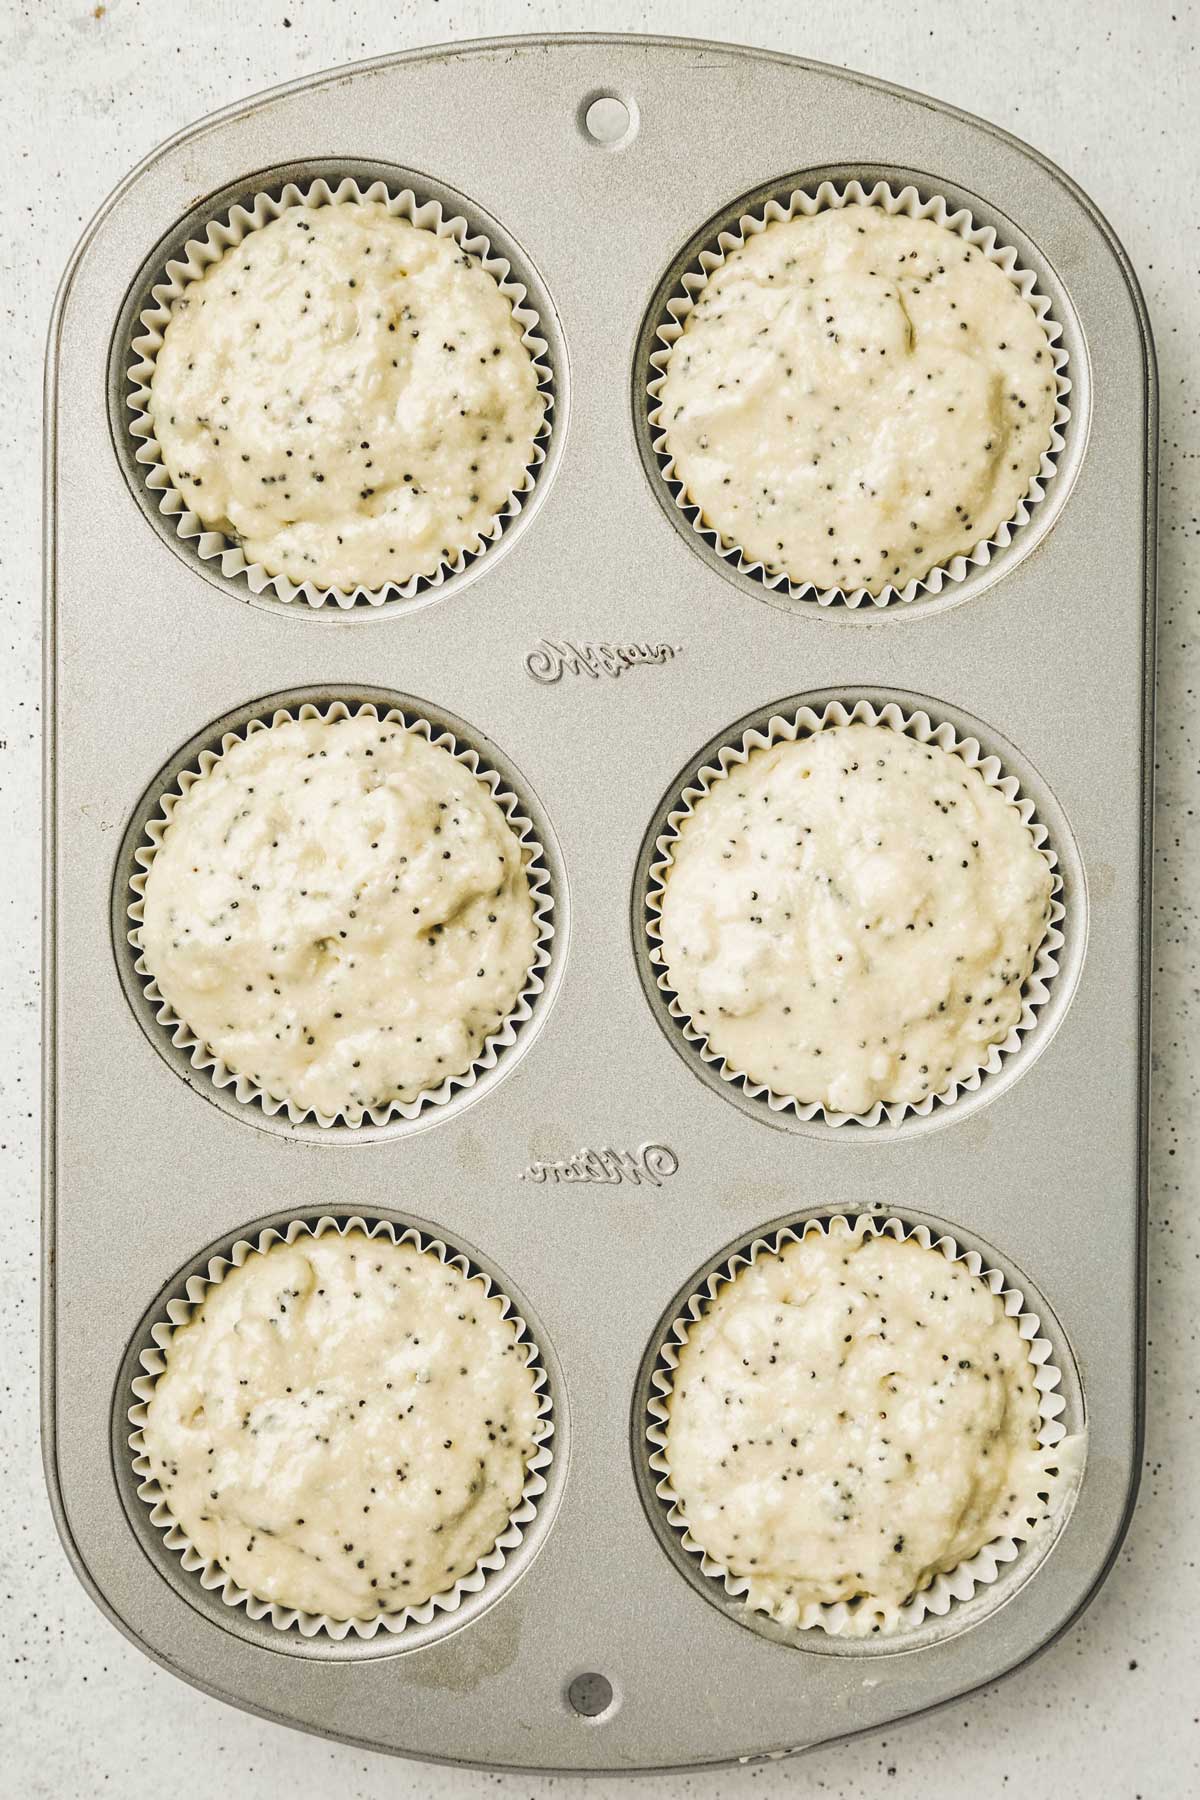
column 850, row 1416
column 851, row 917
column 346, row 394
column 344, row 1425
column 340, row 910
column 856, row 397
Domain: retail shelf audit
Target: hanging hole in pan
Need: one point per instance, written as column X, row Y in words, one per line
column 608, row 121
column 591, row 1696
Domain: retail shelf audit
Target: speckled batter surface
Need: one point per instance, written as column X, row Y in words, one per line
column 851, row 917
column 850, row 1416
column 346, row 394
column 343, row 1425
column 858, row 396
column 340, row 911
column 1109, row 1709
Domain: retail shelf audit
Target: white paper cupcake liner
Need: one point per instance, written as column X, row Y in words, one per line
column 829, row 195
column 206, row 1060
column 849, row 1619
column 199, row 254
column 801, row 724
column 210, row 1573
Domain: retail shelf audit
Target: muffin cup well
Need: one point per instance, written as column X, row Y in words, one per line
column 224, row 234
column 206, row 1061
column 804, row 723
column 210, row 1573
column 827, row 196
column 1064, row 1455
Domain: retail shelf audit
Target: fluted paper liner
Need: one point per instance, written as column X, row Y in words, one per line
column 799, row 204
column 199, row 254
column 208, row 1062
column 850, row 1619
column 210, row 1573
column 920, row 727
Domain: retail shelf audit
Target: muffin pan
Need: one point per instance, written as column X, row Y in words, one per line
column 607, row 649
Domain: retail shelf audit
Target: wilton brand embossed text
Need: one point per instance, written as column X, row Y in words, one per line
column 651, row 1165
column 550, row 660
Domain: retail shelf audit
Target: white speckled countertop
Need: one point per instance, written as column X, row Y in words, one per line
column 1108, row 90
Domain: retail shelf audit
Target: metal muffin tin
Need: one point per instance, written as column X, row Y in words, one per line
column 605, row 647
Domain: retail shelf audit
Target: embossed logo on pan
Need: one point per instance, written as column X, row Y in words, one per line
column 651, row 1166
column 550, row 660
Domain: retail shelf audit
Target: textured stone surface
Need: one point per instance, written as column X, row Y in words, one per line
column 1108, row 91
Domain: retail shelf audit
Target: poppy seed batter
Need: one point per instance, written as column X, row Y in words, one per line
column 857, row 397
column 347, row 395
column 851, row 917
column 339, row 909
column 343, row 1425
column 849, row 1416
